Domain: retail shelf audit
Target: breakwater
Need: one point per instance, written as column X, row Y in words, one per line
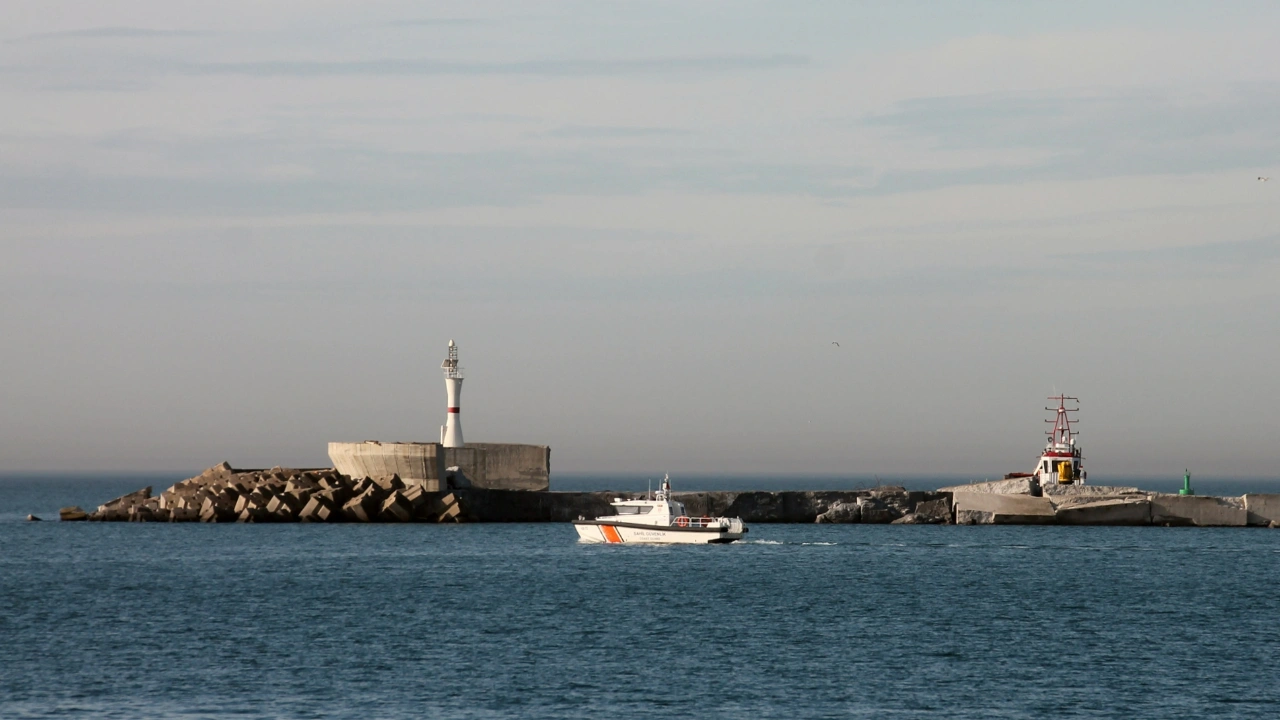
column 225, row 494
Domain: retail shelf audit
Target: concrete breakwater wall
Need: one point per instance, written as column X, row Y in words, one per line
column 497, row 466
column 224, row 494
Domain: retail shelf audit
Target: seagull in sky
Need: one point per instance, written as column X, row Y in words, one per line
column 833, row 342
column 1263, row 179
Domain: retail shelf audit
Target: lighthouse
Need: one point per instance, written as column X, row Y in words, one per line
column 451, row 431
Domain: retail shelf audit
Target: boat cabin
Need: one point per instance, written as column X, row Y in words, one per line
column 659, row 510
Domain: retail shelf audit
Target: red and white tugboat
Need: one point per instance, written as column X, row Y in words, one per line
column 658, row 520
column 1061, row 463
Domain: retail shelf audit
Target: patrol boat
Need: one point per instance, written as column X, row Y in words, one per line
column 657, row 520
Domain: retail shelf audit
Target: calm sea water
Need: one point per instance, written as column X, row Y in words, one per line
column 520, row 621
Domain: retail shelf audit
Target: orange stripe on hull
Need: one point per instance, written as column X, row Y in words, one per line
column 610, row 534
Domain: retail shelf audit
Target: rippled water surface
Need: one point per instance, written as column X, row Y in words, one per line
column 160, row 620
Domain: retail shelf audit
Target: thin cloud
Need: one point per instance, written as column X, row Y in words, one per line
column 610, row 131
column 1243, row 253
column 440, row 22
column 553, row 68
column 109, row 33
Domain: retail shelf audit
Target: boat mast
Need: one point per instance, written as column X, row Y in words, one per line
column 1062, row 435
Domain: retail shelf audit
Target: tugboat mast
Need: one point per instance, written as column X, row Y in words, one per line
column 1062, row 434
column 1061, row 460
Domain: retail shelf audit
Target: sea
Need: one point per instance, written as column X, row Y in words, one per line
column 121, row 620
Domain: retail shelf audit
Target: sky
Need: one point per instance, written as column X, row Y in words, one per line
column 240, row 230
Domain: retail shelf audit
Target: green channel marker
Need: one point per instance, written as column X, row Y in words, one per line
column 1186, row 485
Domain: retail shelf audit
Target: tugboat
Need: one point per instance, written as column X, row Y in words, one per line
column 1061, row 462
column 657, row 520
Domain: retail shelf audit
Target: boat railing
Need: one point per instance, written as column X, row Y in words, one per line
column 695, row 522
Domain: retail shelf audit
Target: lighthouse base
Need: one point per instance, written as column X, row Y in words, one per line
column 493, row 466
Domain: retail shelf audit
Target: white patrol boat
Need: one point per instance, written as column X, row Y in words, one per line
column 657, row 520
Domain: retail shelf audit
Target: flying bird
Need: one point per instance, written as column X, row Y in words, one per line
column 1263, row 179
column 833, row 342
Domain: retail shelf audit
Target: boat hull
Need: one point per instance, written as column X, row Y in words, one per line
column 590, row 531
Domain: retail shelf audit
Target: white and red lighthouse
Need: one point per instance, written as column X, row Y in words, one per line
column 451, row 431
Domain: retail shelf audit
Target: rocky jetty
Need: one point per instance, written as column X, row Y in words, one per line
column 880, row 505
column 224, row 494
column 1024, row 501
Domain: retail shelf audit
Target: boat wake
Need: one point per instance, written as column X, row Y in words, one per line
column 780, row 542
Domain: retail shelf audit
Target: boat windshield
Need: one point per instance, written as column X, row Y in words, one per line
column 634, row 510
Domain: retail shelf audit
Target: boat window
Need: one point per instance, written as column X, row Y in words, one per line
column 633, row 510
column 1046, row 466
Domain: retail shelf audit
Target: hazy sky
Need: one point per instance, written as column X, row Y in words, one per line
column 239, row 230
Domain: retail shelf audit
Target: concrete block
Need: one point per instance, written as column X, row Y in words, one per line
column 1262, row 509
column 337, row 497
column 1112, row 511
column 430, row 508
column 416, row 496
column 317, row 509
column 396, row 508
column 916, row 519
column 840, row 513
column 185, row 514
column 1198, row 510
column 1014, row 486
column 124, row 502
column 985, row 508
column 222, row 469
column 282, row 506
column 270, row 488
column 1057, row 490
column 388, row 483
column 938, row 510
column 877, row 511
column 362, row 508
column 301, row 487
column 72, row 514
column 452, row 513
